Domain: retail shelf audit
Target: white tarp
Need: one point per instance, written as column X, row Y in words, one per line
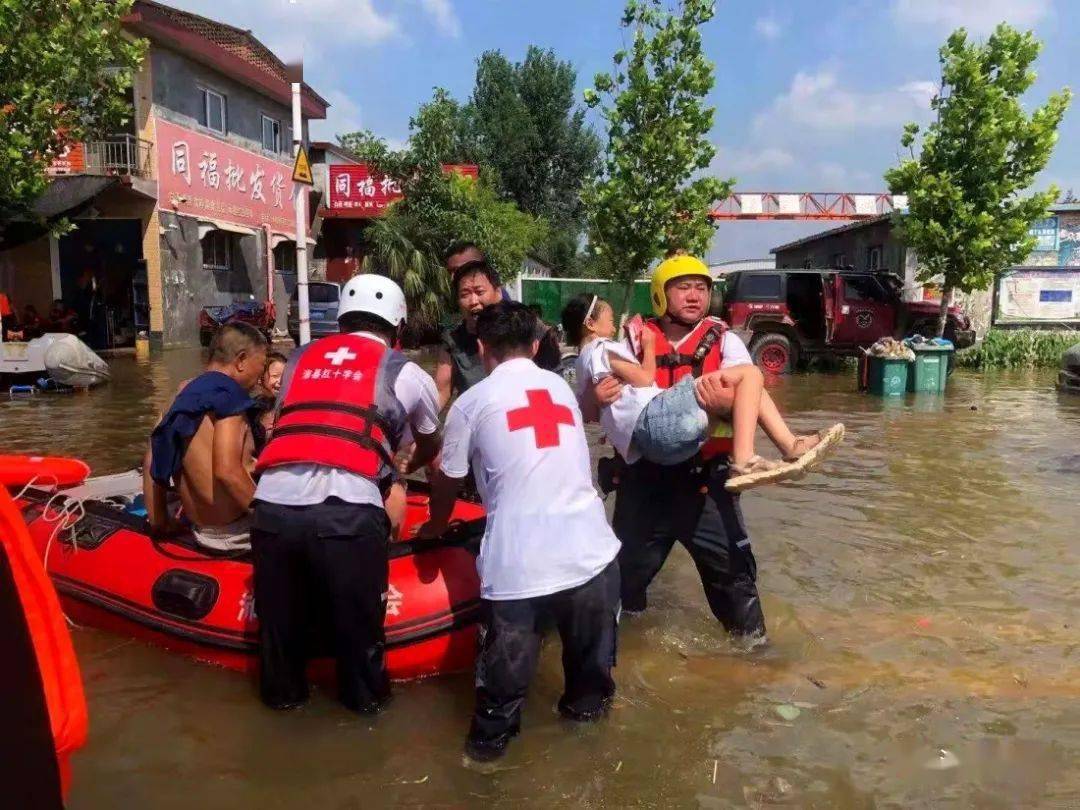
column 788, row 204
column 69, row 361
column 750, row 203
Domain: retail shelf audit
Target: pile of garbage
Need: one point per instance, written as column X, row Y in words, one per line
column 891, row 348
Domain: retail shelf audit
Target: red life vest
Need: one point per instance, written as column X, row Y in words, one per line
column 339, row 408
column 700, row 352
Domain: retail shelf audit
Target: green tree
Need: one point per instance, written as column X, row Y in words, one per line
column 968, row 217
column 64, row 69
column 652, row 199
column 529, row 130
column 439, row 208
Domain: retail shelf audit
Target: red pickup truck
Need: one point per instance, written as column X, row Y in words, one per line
column 787, row 316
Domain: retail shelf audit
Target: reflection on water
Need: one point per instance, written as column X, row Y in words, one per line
column 921, row 598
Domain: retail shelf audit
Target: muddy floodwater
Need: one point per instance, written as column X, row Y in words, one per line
column 923, row 609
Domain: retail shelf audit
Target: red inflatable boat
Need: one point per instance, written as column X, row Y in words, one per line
column 112, row 575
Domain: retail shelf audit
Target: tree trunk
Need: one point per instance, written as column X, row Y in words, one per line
column 943, row 314
column 627, row 296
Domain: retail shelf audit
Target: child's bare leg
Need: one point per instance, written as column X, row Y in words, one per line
column 774, row 425
column 790, row 445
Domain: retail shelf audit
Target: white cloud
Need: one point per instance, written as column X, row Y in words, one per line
column 820, row 102
column 978, row 16
column 343, row 116
column 325, row 24
column 748, row 161
column 768, row 27
column 443, row 14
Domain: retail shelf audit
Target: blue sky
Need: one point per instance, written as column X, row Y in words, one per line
column 810, row 95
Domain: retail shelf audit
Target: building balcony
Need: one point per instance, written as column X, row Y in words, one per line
column 120, row 155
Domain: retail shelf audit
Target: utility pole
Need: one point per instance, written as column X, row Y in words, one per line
column 300, row 202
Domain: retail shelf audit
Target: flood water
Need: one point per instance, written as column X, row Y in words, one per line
column 922, row 602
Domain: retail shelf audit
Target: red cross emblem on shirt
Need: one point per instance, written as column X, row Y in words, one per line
column 542, row 415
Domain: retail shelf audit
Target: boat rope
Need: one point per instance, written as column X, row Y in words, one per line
column 33, row 481
column 65, row 517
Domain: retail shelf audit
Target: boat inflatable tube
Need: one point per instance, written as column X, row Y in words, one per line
column 41, row 692
column 110, row 574
column 43, row 471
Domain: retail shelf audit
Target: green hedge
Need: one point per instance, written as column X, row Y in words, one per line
column 1018, row 348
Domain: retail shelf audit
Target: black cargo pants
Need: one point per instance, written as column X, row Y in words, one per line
column 657, row 505
column 321, row 571
column 587, row 620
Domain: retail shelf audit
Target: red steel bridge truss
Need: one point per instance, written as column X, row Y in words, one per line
column 766, row 205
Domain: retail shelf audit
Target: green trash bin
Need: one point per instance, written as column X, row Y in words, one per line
column 930, row 371
column 884, row 376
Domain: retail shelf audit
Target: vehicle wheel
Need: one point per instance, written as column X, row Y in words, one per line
column 774, row 353
column 567, row 369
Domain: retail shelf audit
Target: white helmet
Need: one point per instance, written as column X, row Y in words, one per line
column 373, row 294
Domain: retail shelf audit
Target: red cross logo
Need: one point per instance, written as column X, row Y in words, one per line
column 542, row 415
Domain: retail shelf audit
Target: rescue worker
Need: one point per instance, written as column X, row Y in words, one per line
column 657, row 505
column 475, row 285
column 8, row 326
column 320, row 531
column 547, row 558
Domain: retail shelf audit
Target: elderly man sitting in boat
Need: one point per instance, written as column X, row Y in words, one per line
column 203, row 446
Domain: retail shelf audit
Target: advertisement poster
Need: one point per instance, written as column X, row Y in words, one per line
column 1039, row 296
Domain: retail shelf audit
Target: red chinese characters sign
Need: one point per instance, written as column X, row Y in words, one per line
column 71, row 161
column 207, row 178
column 356, row 192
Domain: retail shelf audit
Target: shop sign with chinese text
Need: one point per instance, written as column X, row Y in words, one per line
column 356, row 192
column 204, row 177
column 71, row 161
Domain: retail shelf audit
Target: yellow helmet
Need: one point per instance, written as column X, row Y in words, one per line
column 667, row 271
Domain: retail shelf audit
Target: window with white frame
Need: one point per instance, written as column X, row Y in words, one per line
column 839, row 260
column 212, row 112
column 217, row 251
column 271, row 134
column 873, row 257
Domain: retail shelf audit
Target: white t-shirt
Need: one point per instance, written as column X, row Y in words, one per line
column 620, row 417
column 307, row 484
column 522, row 431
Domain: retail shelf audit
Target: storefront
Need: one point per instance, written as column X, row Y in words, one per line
column 227, row 220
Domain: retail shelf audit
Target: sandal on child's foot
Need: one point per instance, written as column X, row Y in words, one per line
column 758, row 472
column 809, row 450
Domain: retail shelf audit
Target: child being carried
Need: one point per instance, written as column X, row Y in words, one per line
column 669, row 426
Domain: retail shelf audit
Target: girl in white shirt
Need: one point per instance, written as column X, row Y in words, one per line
column 670, row 426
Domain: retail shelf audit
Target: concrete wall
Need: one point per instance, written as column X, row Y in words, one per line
column 187, row 286
column 177, row 81
column 854, row 244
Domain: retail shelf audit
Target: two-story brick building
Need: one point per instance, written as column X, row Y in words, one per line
column 192, row 206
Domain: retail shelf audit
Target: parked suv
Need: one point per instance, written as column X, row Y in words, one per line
column 787, row 316
column 322, row 305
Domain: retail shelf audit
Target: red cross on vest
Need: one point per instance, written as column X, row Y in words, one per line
column 339, row 357
column 542, row 415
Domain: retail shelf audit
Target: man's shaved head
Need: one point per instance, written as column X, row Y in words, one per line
column 234, row 339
